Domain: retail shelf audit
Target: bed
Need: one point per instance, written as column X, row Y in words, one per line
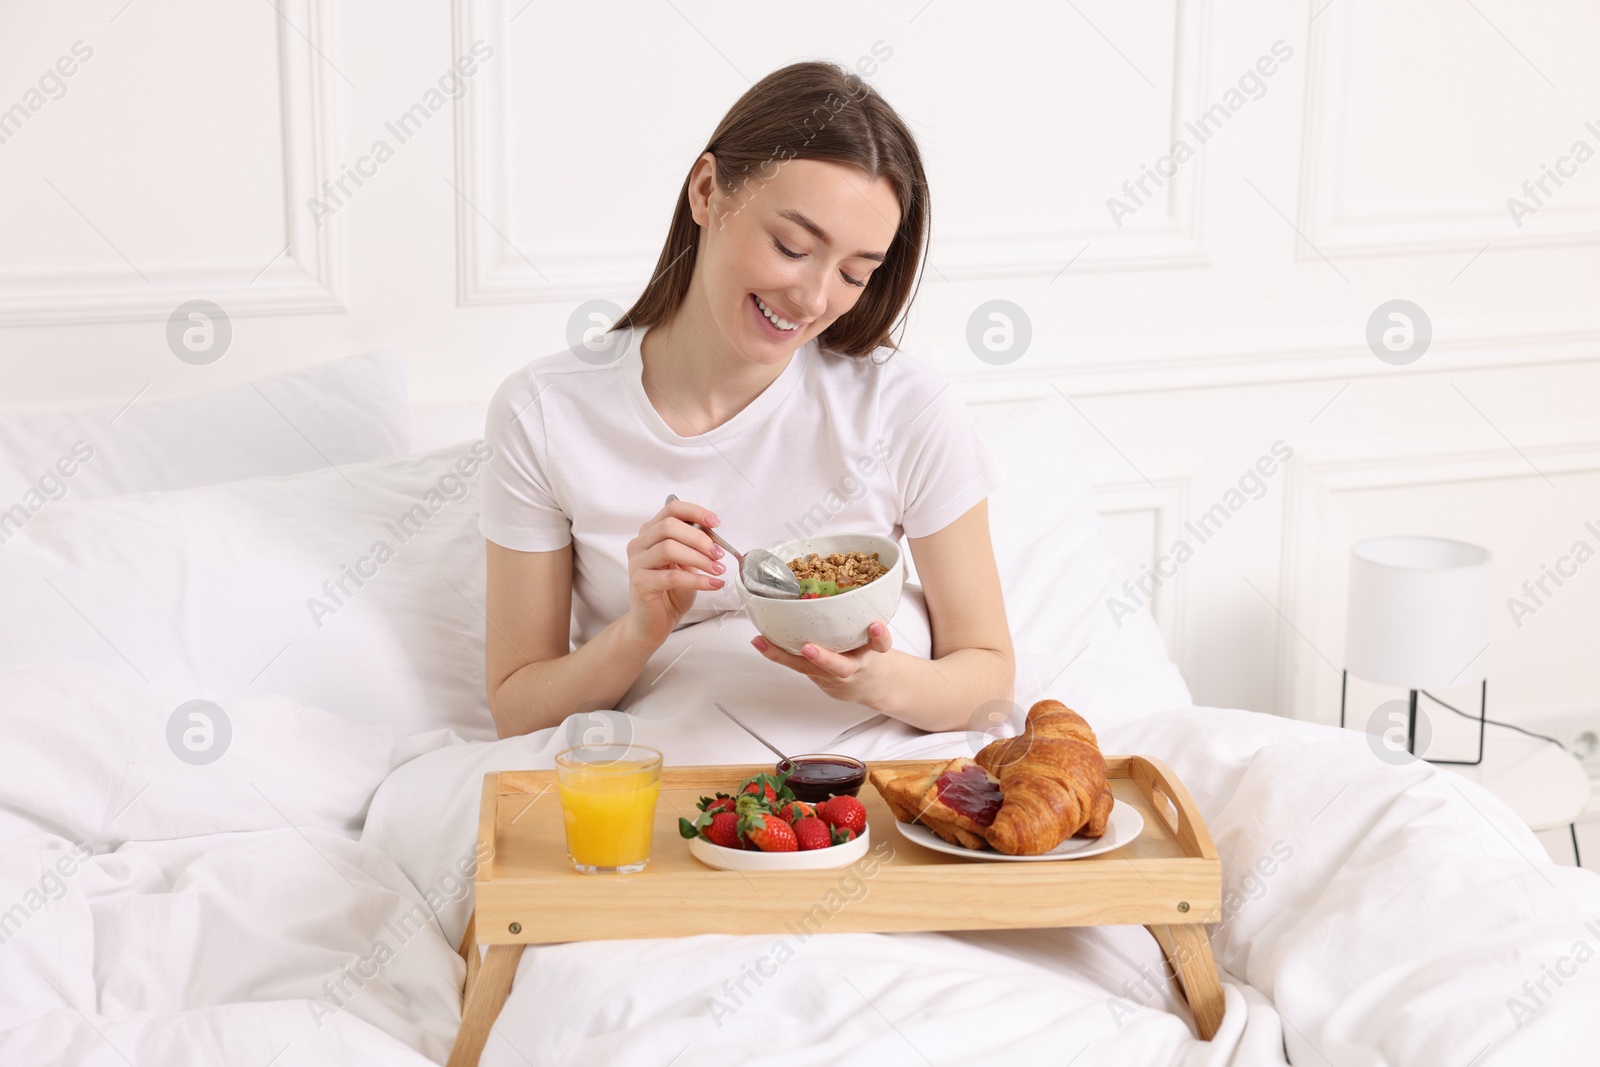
column 243, row 750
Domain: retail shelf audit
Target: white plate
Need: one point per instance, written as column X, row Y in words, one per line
column 733, row 859
column 1124, row 825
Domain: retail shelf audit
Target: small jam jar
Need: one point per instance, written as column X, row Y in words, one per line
column 817, row 776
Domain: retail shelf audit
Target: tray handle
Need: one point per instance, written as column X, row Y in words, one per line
column 1172, row 804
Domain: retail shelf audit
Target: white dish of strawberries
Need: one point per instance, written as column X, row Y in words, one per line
column 762, row 827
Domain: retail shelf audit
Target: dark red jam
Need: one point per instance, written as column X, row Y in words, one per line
column 972, row 791
column 816, row 778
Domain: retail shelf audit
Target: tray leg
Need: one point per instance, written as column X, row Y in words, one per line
column 1188, row 953
column 485, row 995
column 469, row 953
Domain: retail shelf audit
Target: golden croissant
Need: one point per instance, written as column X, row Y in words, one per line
column 1023, row 795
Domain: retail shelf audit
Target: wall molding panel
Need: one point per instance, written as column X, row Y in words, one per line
column 307, row 276
column 1327, row 222
column 491, row 271
column 1291, row 360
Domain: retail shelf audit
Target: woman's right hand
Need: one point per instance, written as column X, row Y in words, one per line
column 664, row 569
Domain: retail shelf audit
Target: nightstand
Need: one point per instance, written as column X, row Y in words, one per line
column 1543, row 783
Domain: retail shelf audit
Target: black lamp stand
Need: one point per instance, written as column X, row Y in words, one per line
column 1411, row 727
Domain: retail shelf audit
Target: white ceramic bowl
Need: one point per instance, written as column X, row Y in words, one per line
column 733, row 859
column 837, row 623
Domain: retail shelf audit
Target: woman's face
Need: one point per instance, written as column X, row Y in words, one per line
column 803, row 242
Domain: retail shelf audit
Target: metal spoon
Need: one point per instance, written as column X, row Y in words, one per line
column 763, row 572
column 755, row 735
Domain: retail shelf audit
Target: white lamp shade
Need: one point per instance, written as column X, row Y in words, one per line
column 1419, row 610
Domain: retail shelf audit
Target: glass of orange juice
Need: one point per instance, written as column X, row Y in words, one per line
column 608, row 804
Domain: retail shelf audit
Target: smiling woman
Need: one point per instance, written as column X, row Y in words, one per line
column 807, row 142
column 770, row 277
column 755, row 370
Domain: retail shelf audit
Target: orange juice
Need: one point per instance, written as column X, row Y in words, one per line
column 608, row 805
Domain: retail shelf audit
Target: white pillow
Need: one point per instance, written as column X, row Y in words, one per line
column 1058, row 573
column 343, row 411
column 246, row 588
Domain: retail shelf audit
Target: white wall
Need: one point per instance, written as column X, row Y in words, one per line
column 1226, row 313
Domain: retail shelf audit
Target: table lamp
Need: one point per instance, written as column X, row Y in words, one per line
column 1418, row 618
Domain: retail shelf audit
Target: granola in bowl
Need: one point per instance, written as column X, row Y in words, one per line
column 837, row 572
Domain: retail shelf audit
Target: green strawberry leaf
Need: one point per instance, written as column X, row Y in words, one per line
column 752, row 819
column 687, row 828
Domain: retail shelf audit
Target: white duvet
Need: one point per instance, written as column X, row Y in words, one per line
column 158, row 912
column 298, row 900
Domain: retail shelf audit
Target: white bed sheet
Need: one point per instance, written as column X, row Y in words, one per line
column 1372, row 915
column 1404, row 910
column 155, row 911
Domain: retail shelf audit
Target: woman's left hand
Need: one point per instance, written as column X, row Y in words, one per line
column 855, row 675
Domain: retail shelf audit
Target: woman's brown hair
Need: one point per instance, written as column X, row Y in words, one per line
column 810, row 110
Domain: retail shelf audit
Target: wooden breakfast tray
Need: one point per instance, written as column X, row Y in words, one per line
column 1168, row 879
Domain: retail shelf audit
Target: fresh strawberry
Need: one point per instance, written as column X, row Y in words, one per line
column 752, row 811
column 712, row 805
column 841, row 834
column 724, row 830
column 770, row 833
column 796, row 810
column 845, row 812
column 811, row 832
column 720, row 828
column 762, row 785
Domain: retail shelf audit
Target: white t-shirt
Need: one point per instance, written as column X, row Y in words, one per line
column 879, row 444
